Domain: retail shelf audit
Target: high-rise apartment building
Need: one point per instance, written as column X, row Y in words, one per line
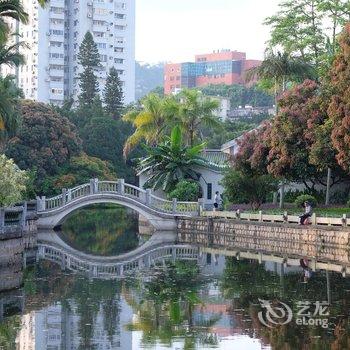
column 220, row 67
column 54, row 35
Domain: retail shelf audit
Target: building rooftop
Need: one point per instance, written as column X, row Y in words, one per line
column 217, row 160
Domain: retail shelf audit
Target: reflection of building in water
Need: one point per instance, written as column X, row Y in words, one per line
column 212, row 264
column 58, row 327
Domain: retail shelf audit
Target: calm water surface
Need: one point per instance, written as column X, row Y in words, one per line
column 183, row 305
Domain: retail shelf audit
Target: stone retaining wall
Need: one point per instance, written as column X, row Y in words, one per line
column 327, row 243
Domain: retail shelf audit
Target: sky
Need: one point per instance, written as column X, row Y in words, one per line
column 176, row 30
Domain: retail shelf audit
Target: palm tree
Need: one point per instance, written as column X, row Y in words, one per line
column 9, row 93
column 151, row 121
column 196, row 111
column 10, row 9
column 281, row 68
column 171, row 161
column 9, row 55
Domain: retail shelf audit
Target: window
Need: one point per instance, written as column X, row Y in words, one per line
column 119, row 60
column 120, row 16
column 209, row 191
column 118, row 49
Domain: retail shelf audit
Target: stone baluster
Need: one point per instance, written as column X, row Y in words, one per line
column 24, row 215
column 174, row 206
column 200, row 206
column 69, row 195
column 64, row 196
column 148, row 197
column 93, row 186
column 121, row 186
column 40, row 203
column 2, row 219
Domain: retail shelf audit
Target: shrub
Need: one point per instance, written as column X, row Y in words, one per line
column 299, row 201
column 185, row 191
column 242, row 188
column 12, row 182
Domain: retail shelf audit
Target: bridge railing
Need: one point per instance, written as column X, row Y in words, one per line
column 118, row 187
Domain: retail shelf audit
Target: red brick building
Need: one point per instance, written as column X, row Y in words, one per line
column 220, row 67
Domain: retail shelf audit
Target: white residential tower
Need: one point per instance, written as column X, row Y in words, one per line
column 54, row 35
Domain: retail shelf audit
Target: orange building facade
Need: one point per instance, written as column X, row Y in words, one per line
column 220, row 67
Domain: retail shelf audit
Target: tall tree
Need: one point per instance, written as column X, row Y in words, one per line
column 297, row 28
column 196, row 111
column 113, row 94
column 9, row 118
column 89, row 59
column 151, row 120
column 281, row 69
column 339, row 107
column 10, row 9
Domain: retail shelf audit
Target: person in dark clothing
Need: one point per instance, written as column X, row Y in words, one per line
column 307, row 214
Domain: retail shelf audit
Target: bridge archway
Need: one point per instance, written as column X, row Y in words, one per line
column 50, row 219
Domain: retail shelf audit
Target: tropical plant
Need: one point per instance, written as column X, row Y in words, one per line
column 300, row 200
column 280, row 68
column 171, row 161
column 12, row 182
column 10, row 9
column 151, row 121
column 9, row 118
column 9, row 54
column 196, row 111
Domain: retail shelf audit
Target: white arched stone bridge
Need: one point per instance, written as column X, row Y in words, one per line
column 159, row 212
column 158, row 249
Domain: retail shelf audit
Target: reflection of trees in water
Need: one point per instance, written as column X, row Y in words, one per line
column 8, row 332
column 245, row 282
column 165, row 306
column 107, row 230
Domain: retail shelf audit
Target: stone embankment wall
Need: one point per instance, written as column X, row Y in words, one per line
column 17, row 233
column 326, row 243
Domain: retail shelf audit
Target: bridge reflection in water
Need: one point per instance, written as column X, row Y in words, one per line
column 168, row 246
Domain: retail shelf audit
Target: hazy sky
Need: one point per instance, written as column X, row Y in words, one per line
column 175, row 30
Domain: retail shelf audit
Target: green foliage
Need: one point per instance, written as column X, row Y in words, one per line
column 78, row 170
column 239, row 95
column 195, row 112
column 299, row 28
column 185, row 191
column 113, row 94
column 242, row 188
column 102, row 231
column 9, row 118
column 88, row 55
column 45, row 141
column 300, row 200
column 281, row 69
column 89, row 59
column 171, row 161
column 104, row 137
column 151, row 121
column 10, row 9
column 12, row 182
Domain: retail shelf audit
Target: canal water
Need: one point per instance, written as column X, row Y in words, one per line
column 216, row 302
